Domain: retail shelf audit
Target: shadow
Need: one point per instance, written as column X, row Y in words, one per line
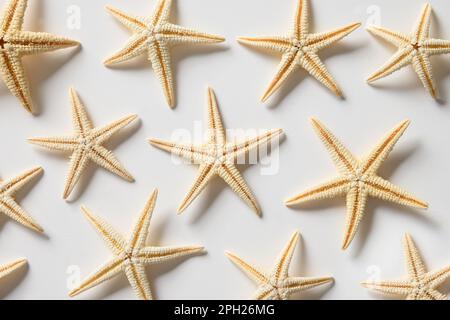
column 11, row 281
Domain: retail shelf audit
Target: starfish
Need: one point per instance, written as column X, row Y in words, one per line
column 9, row 268
column 133, row 255
column 217, row 157
column 358, row 179
column 153, row 36
column 8, row 204
column 278, row 285
column 300, row 49
column 415, row 49
column 420, row 285
column 15, row 43
column 86, row 144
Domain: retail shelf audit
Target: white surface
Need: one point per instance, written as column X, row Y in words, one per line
column 219, row 219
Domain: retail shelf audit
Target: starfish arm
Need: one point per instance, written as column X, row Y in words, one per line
column 422, row 29
column 138, row 280
column 315, row 67
column 336, row 187
column 9, row 268
column 159, row 254
column 435, row 295
column 56, row 143
column 398, row 288
column 160, row 58
column 13, row 14
column 297, row 284
column 195, row 154
column 414, row 263
column 103, row 134
column 78, row 162
column 301, row 20
column 216, row 132
column 115, row 241
column 205, row 174
column 80, row 118
column 175, row 34
column 162, row 12
column 436, row 278
column 108, row 160
column 10, row 207
column 422, row 66
column 136, row 46
column 234, row 179
column 13, row 74
column 133, row 23
column 281, row 269
column 356, row 203
column 319, row 41
column 288, row 65
column 382, row 150
column 29, row 43
column 396, row 38
column 235, row 150
column 382, row 189
column 266, row 292
column 274, row 43
column 399, row 60
column 253, row 273
column 104, row 273
column 341, row 156
column 140, row 232
column 436, row 46
column 10, row 187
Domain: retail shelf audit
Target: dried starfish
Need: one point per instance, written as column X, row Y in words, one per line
column 86, row 144
column 154, row 36
column 8, row 204
column 131, row 256
column 217, row 157
column 9, row 268
column 358, row 179
column 278, row 285
column 300, row 50
column 420, row 285
column 414, row 49
column 15, row 43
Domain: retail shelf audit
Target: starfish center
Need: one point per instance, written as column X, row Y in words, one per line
column 298, row 45
column 358, row 178
column 416, row 46
column 3, row 42
column 85, row 143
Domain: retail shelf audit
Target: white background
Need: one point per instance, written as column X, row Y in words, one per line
column 219, row 219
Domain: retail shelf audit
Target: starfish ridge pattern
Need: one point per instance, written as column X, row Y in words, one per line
column 278, row 285
column 9, row 268
column 217, row 157
column 15, row 43
column 415, row 49
column 133, row 255
column 300, row 50
column 358, row 179
column 420, row 285
column 153, row 36
column 86, row 145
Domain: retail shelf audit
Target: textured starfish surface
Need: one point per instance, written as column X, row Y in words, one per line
column 15, row 43
column 300, row 49
column 278, row 285
column 358, row 179
column 420, row 285
column 86, row 144
column 9, row 268
column 153, row 36
column 133, row 255
column 415, row 49
column 8, row 204
column 217, row 157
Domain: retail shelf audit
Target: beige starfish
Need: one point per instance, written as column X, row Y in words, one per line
column 9, row 268
column 300, row 50
column 154, row 36
column 358, row 179
column 415, row 49
column 86, row 144
column 217, row 157
column 15, row 43
column 8, row 204
column 278, row 285
column 420, row 285
column 133, row 255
